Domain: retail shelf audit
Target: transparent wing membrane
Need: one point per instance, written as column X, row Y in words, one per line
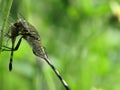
column 7, row 31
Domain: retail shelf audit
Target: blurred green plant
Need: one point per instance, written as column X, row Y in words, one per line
column 80, row 40
column 7, row 12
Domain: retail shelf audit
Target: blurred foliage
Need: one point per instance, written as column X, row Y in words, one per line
column 5, row 22
column 82, row 39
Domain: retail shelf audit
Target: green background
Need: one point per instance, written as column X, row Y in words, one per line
column 82, row 39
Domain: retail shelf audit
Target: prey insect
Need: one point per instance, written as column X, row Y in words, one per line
column 28, row 32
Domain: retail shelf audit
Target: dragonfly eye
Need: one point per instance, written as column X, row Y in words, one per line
column 26, row 31
column 16, row 25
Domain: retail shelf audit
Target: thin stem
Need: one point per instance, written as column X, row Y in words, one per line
column 5, row 22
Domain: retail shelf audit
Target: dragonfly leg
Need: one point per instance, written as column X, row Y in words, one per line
column 14, row 49
column 18, row 44
column 5, row 48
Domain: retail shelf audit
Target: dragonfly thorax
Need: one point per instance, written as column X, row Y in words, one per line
column 36, row 46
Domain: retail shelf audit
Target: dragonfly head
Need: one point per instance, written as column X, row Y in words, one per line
column 21, row 28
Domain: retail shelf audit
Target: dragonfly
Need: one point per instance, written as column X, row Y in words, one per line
column 26, row 31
